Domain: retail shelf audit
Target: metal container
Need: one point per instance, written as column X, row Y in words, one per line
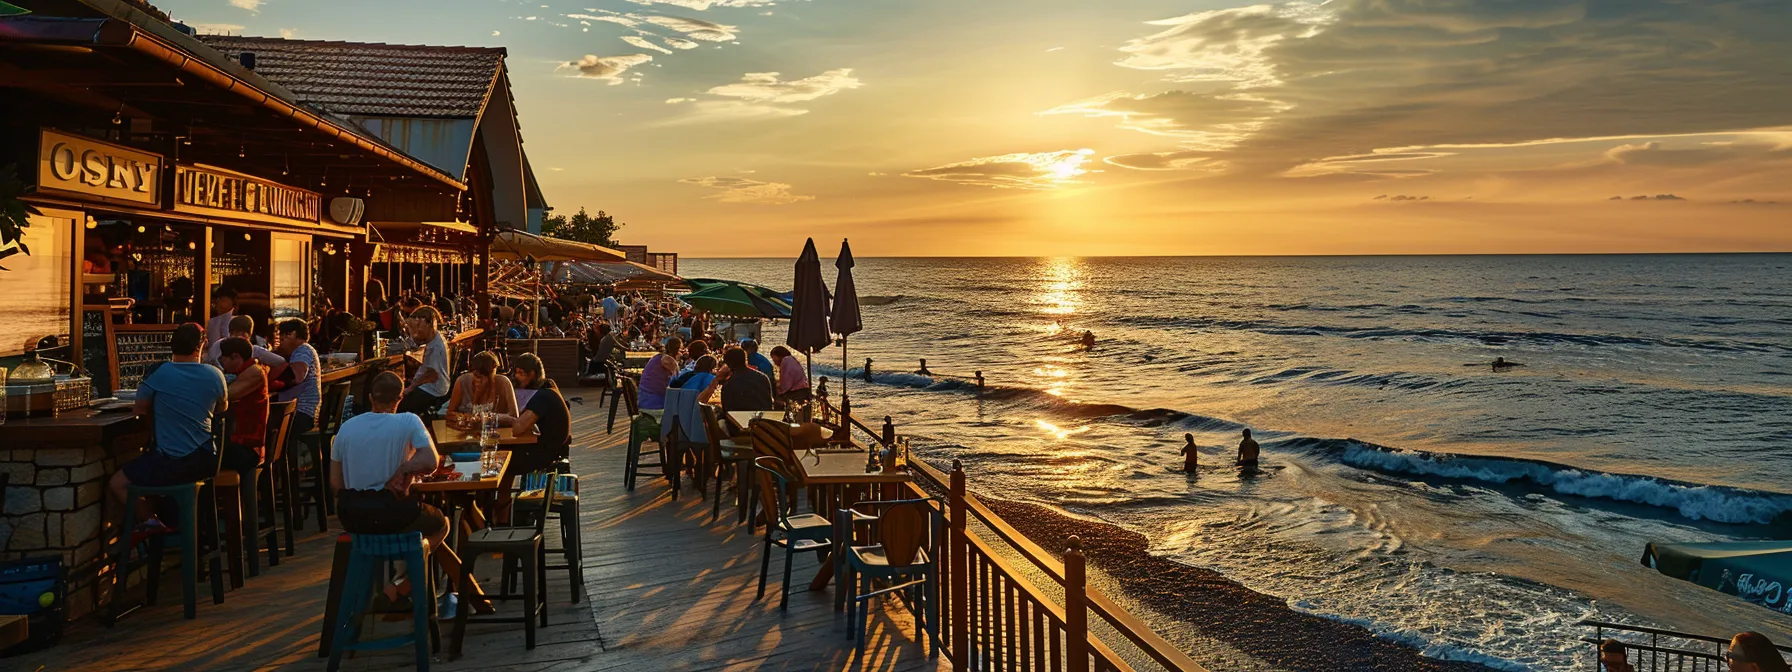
column 48, row 397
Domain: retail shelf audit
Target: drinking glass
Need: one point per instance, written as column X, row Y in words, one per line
column 488, row 454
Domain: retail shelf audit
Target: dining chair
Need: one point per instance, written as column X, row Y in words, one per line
column 905, row 559
column 794, row 532
column 642, row 427
column 727, row 454
column 521, row 545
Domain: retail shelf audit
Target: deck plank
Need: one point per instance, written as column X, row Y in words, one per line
column 665, row 589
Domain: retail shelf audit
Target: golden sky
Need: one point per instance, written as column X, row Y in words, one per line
column 1058, row 127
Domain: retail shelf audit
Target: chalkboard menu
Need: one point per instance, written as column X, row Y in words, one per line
column 96, row 349
column 140, row 347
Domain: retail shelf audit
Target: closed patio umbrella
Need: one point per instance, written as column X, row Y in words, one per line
column 809, row 307
column 844, row 320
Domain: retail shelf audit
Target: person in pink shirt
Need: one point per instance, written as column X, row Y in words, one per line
column 793, row 382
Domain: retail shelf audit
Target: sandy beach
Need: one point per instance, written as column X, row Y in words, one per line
column 1260, row 625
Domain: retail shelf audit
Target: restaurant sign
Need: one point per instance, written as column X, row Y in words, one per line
column 78, row 165
column 215, row 191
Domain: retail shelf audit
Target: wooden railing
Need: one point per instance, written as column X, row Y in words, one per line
column 997, row 618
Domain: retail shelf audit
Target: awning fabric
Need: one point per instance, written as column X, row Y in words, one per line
column 609, row 272
column 517, row 245
column 1757, row 571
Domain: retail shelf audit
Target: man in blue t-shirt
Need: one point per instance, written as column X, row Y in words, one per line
column 180, row 397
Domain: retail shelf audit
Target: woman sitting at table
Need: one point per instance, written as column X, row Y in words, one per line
column 482, row 385
column 701, row 377
column 658, row 375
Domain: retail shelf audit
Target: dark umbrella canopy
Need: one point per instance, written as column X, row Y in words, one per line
column 809, row 305
column 735, row 301
column 845, row 318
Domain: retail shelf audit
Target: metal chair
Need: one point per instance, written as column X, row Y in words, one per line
column 795, row 532
column 521, row 545
column 317, row 442
column 273, row 489
column 566, row 509
column 726, row 454
column 642, row 427
column 189, row 499
column 908, row 534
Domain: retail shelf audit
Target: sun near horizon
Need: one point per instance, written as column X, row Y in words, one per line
column 1189, row 127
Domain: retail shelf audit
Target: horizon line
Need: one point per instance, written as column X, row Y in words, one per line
column 1279, row 256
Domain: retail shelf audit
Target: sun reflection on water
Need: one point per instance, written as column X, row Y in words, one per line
column 1061, row 283
column 1059, row 432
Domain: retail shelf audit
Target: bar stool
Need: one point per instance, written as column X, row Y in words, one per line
column 368, row 555
column 187, row 499
column 566, row 509
column 522, row 545
column 273, row 470
column 316, row 443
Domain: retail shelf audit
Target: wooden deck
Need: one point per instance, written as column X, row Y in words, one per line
column 667, row 589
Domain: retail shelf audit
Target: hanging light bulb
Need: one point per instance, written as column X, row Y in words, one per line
column 118, row 117
column 245, row 236
column 192, row 245
column 286, row 165
column 242, row 149
column 141, row 229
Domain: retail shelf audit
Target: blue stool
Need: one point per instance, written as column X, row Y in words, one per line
column 367, row 558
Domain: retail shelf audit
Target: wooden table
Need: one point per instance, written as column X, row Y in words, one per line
column 71, row 429
column 14, row 629
column 451, row 436
column 470, row 480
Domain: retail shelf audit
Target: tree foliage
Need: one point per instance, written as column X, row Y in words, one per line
column 14, row 213
column 583, row 227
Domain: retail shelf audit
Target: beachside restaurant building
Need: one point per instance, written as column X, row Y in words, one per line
column 159, row 165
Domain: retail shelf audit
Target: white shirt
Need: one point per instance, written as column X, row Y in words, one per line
column 435, row 356
column 371, row 446
column 218, row 328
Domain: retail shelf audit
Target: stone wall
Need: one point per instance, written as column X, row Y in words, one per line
column 55, row 504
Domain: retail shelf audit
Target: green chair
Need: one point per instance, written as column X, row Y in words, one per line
column 368, row 557
column 643, row 426
column 187, row 500
column 566, row 509
column 520, row 545
column 798, row 533
column 904, row 559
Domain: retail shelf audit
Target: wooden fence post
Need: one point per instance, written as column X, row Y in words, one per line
column 960, row 570
column 1076, row 608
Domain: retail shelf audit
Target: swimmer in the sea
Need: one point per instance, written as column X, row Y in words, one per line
column 1088, row 340
column 1500, row 364
column 1248, row 451
column 1190, row 456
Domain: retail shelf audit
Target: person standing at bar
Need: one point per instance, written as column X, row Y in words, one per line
column 243, row 326
column 430, row 385
column 180, row 396
column 300, row 380
column 223, row 310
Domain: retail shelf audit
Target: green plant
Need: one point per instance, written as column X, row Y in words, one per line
column 15, row 213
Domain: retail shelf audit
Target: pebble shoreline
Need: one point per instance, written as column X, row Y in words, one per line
column 1260, row 625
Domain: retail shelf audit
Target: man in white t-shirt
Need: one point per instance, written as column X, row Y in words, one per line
column 373, row 461
column 243, row 326
column 429, row 386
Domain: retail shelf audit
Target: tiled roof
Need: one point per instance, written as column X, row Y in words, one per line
column 363, row 78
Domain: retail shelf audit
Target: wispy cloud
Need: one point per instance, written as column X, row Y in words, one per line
column 251, row 5
column 608, row 68
column 1039, row 170
column 696, row 29
column 763, row 95
column 289, row 33
column 703, row 5
column 1172, row 160
column 743, row 190
column 766, row 87
column 642, row 42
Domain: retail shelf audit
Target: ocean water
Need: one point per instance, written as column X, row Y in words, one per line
column 1408, row 486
